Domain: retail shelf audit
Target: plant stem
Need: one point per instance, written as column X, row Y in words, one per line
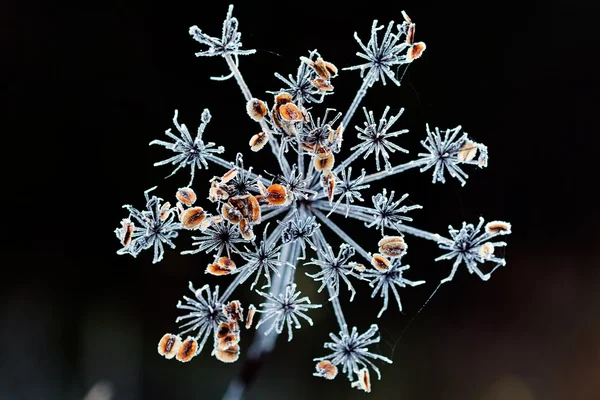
column 283, row 163
column 263, row 344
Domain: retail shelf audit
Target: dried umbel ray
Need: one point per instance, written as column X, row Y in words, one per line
column 313, row 180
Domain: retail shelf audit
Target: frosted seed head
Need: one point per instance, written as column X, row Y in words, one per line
column 234, row 311
column 324, row 163
column 283, row 98
column 250, row 316
column 192, row 217
column 227, row 342
column 169, row 345
column 187, row 350
column 415, row 51
column 218, row 270
column 467, row 152
column 392, row 246
column 164, row 211
column 322, row 84
column 217, row 193
column 290, row 112
column 253, row 209
column 380, row 263
column 326, row 369
column 357, row 266
column 127, row 228
column 223, row 330
column 230, row 355
column 226, row 262
column 410, row 34
column 486, row 250
column 328, row 180
column 229, row 175
column 499, row 227
column 186, row 195
column 258, row 141
column 231, row 213
column 277, row 195
column 364, row 381
column 256, row 109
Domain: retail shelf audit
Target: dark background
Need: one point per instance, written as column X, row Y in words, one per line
column 88, row 86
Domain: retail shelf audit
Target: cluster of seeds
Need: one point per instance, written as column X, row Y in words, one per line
column 226, row 338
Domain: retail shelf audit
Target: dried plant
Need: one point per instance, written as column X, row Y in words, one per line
column 313, row 180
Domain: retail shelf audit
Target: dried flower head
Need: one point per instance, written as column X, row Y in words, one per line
column 308, row 183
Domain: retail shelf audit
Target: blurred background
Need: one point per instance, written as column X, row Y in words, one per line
column 88, row 86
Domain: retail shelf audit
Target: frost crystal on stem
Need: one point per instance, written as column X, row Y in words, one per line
column 307, row 186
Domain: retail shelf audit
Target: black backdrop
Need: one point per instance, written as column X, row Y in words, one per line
column 89, row 85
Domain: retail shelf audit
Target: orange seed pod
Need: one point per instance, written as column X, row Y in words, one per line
column 392, row 246
column 381, row 263
column 169, row 345
column 258, row 141
column 326, row 370
column 188, row 349
column 256, row 109
column 192, row 217
column 186, row 196
column 276, row 194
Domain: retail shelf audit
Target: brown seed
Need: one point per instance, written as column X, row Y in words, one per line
column 239, row 202
column 415, row 51
column 486, row 250
column 253, row 209
column 228, row 356
column 276, row 195
column 226, row 262
column 283, row 98
column 127, row 228
column 258, row 141
column 257, row 109
column 357, row 266
column 192, row 217
column 234, row 311
column 229, row 175
column 392, row 246
column 322, row 84
column 381, row 263
column 275, row 116
column 410, row 34
column 324, row 163
column 333, row 71
column 169, row 345
column 326, row 370
column 188, row 349
column 186, row 196
column 290, row 112
column 364, row 381
column 164, row 211
column 246, row 230
column 328, row 183
column 467, row 152
column 406, row 17
column 206, row 224
column 217, row 270
column 227, row 342
column 501, row 227
column 217, row 193
column 223, row 330
column 231, row 213
column 250, row 316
